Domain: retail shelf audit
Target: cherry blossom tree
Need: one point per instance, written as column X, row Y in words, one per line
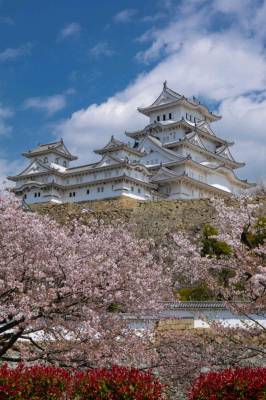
column 64, row 290
column 228, row 261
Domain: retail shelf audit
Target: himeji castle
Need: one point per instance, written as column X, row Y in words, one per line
column 176, row 156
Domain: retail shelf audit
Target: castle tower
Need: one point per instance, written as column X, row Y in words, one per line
column 176, row 156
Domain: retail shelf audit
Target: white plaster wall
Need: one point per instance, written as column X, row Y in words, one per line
column 107, row 190
column 177, row 113
column 43, row 198
column 203, row 318
column 223, row 181
column 154, row 158
column 208, row 144
column 52, row 158
column 174, row 190
column 169, row 136
column 178, row 169
column 121, row 154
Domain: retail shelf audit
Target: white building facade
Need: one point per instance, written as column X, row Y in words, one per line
column 199, row 315
column 176, row 156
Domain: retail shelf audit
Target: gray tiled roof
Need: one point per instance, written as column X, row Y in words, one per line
column 44, row 147
column 195, row 305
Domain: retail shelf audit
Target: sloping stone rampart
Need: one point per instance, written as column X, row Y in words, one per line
column 156, row 219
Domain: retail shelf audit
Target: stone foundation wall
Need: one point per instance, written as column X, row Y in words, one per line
column 156, row 219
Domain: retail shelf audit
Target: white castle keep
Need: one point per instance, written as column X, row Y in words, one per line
column 176, row 156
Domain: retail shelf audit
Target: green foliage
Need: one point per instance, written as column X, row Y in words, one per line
column 211, row 246
column 260, row 231
column 116, row 308
column 255, row 237
column 209, row 230
column 225, row 275
column 197, row 293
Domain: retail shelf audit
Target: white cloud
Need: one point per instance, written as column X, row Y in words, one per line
column 101, row 49
column 244, row 120
column 48, row 104
column 11, row 54
column 227, row 67
column 9, row 168
column 69, row 31
column 125, row 16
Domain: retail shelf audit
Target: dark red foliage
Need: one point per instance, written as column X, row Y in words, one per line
column 117, row 383
column 37, row 382
column 51, row 383
column 231, row 384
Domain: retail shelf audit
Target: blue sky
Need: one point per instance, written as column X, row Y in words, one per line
column 78, row 69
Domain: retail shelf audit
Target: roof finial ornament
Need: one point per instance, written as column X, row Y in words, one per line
column 165, row 85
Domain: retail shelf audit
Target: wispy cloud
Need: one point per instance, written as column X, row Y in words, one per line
column 49, row 104
column 155, row 17
column 5, row 114
column 69, row 31
column 6, row 20
column 12, row 53
column 125, row 16
column 101, row 49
